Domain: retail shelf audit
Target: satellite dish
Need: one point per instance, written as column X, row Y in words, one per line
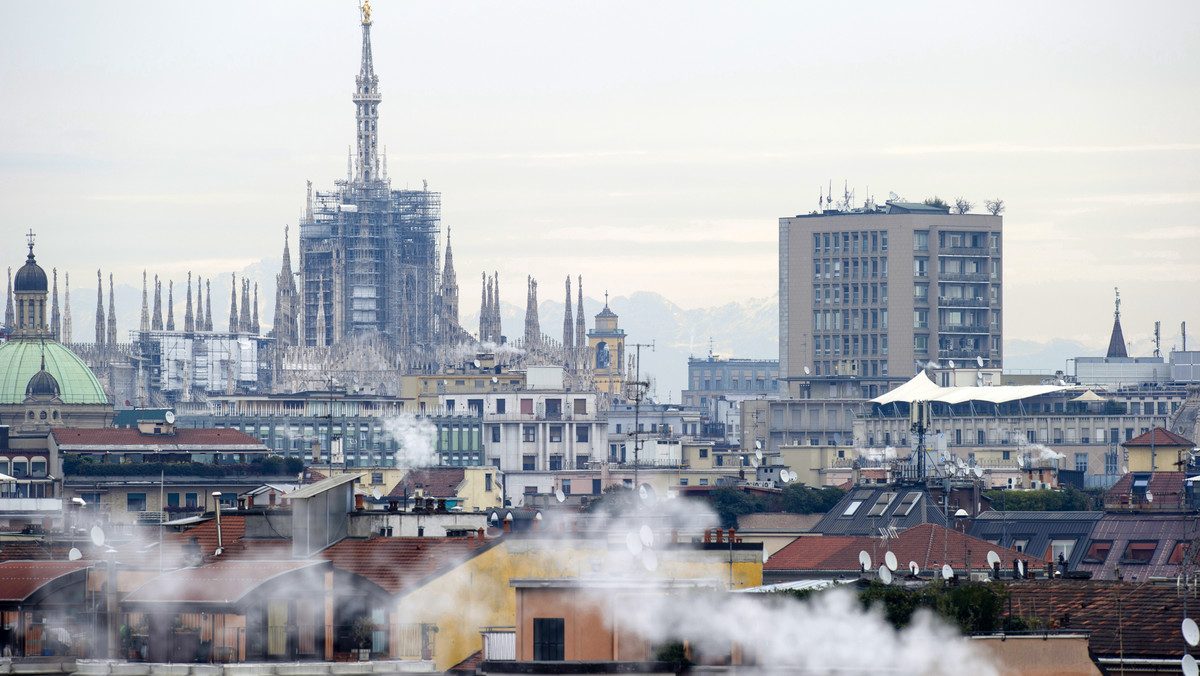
column 97, row 536
column 647, row 494
column 1020, row 568
column 754, row 463
column 979, row 361
column 950, row 362
column 537, row 517
column 633, row 543
column 786, row 476
column 1149, row 496
column 376, row 494
column 864, row 559
column 758, row 445
column 885, row 575
column 1021, row 462
column 889, row 559
column 947, row 572
column 646, row 535
column 993, row 558
column 476, row 362
column 758, row 452
column 559, row 495
column 1191, row 633
column 75, row 555
column 169, row 416
column 806, row 370
column 978, row 472
column 914, row 568
column 650, row 560
column 495, row 380
column 1189, row 666
column 962, row 464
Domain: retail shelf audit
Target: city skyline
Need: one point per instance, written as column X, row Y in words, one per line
column 655, row 151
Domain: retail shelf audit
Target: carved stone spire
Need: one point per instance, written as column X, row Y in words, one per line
column 170, row 305
column 199, row 303
column 100, row 333
column 189, row 317
column 10, row 319
column 366, row 103
column 208, row 305
column 449, row 286
column 254, row 327
column 321, row 323
column 112, row 312
column 55, row 317
column 233, row 310
column 287, row 300
column 244, row 316
column 144, row 324
column 66, row 326
column 568, row 321
column 580, row 320
column 485, row 306
column 156, row 322
column 533, row 331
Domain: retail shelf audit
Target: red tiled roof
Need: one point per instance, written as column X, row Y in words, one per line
column 1136, row 620
column 312, row 476
column 25, row 550
column 222, row 582
column 1159, row 437
column 930, row 545
column 398, row 564
column 146, row 553
column 1166, row 487
column 129, row 437
column 468, row 666
column 434, row 482
column 20, row 579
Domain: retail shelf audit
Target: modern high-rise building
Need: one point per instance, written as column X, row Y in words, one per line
column 369, row 254
column 876, row 293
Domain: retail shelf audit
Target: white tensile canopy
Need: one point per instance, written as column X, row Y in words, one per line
column 921, row 388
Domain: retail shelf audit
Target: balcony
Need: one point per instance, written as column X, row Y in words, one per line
column 961, row 328
column 499, row 643
column 10, row 505
column 962, row 302
column 963, row 277
column 963, row 251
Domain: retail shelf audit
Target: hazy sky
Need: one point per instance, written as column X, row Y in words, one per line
column 644, row 145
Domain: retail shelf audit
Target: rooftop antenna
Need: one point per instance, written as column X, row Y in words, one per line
column 639, row 392
column 1157, row 339
column 1117, row 313
column 1183, row 331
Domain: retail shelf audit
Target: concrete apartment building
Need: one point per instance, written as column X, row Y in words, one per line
column 875, row 293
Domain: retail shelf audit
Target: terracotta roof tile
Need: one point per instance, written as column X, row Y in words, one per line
column 146, row 553
column 398, row 564
column 1159, row 437
column 930, row 545
column 221, row 582
column 434, row 482
column 20, row 579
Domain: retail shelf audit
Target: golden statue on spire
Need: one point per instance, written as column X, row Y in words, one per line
column 366, row 12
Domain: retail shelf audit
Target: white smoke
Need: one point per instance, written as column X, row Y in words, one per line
column 1041, row 452
column 877, row 454
column 417, row 440
column 828, row 634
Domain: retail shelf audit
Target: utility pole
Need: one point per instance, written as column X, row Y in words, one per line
column 639, row 393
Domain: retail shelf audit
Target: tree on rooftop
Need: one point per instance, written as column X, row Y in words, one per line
column 962, row 205
column 936, row 201
column 995, row 207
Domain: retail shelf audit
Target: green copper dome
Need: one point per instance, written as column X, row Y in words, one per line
column 20, row 360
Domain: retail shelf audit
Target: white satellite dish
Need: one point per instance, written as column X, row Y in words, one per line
column 642, row 492
column 169, row 416
column 864, row 559
column 1021, row 462
column 633, row 543
column 650, row 560
column 445, row 382
column 978, row 472
column 962, row 464
column 1149, row 496
column 647, row 494
column 97, row 536
column 537, row 517
column 1189, row 666
column 914, row 568
column 993, row 558
column 1191, row 633
column 786, row 476
column 559, row 495
column 758, row 443
column 807, row 371
column 1020, row 568
column 758, row 453
column 950, row 362
column 376, row 494
column 889, row 559
column 495, row 380
column 947, row 572
column 754, row 463
column 646, row 535
column 885, row 575
column 75, row 555
column 979, row 361
column 476, row 362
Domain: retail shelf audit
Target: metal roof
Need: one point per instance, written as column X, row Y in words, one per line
column 900, row 512
column 218, row 583
column 322, row 486
column 20, row 580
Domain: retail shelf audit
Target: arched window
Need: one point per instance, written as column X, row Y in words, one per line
column 602, row 356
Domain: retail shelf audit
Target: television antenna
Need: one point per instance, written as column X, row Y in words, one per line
column 640, row 388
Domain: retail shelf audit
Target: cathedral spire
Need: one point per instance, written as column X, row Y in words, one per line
column 156, row 322
column 99, row 309
column 66, row 325
column 254, row 327
column 366, row 102
column 1116, row 342
column 170, row 305
column 112, row 312
column 55, row 317
column 189, row 317
column 321, row 341
column 580, row 320
column 485, row 306
column 208, row 305
column 533, row 330
column 568, row 320
column 449, row 285
column 285, row 328
column 9, row 317
column 199, row 303
column 233, row 310
column 144, row 325
column 244, row 316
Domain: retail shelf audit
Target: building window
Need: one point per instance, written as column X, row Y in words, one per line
column 704, row 482
column 487, row 482
column 135, row 502
column 581, row 407
column 527, row 406
column 172, row 499
column 581, row 434
column 683, row 481
column 1139, row 552
column 556, row 463
column 377, row 478
column 548, row 639
column 921, row 240
column 1081, row 462
column 581, row 461
column 556, row 434
column 1064, row 547
column 528, row 463
column 495, row 434
column 704, row 453
column 1097, row 551
column 191, row 500
column 528, row 433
